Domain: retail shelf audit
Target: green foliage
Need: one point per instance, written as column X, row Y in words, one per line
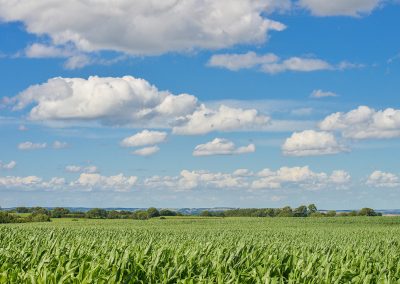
column 167, row 212
column 140, row 215
column 59, row 212
column 312, row 209
column 153, row 212
column 96, row 213
column 22, row 210
column 367, row 212
column 300, row 211
column 38, row 217
column 204, row 250
column 6, row 217
column 40, row 210
column 331, row 213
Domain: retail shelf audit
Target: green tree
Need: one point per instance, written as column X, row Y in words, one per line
column 331, row 213
column 153, row 212
column 38, row 217
column 205, row 213
column 59, row 212
column 285, row 212
column 22, row 210
column 6, row 217
column 141, row 215
column 367, row 212
column 312, row 209
column 300, row 211
column 96, row 213
column 167, row 212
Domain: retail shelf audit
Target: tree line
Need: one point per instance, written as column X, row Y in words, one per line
column 40, row 214
column 301, row 211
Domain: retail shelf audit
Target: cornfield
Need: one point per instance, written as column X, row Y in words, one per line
column 230, row 250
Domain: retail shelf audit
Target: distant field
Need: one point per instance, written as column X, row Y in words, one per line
column 208, row 250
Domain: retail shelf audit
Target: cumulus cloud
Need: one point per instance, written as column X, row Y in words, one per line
column 74, row 58
column 38, row 50
column 92, row 181
column 311, row 143
column 7, row 166
column 132, row 102
column 383, row 179
column 112, row 101
column 146, row 151
column 205, row 120
column 220, row 146
column 317, row 94
column 81, row 169
column 144, row 138
column 272, row 64
column 59, row 145
column 301, row 177
column 354, row 8
column 297, row 64
column 364, row 123
column 147, row 27
column 193, row 179
column 31, row 146
column 236, row 62
column 85, row 182
column 13, row 181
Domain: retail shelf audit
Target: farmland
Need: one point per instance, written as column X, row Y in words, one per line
column 203, row 250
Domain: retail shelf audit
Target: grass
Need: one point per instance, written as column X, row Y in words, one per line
column 203, row 250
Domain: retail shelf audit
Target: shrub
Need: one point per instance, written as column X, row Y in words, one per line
column 38, row 218
column 6, row 217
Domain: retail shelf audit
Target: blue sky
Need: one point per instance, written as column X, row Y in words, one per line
column 200, row 104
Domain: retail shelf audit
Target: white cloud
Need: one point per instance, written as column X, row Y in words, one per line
column 299, row 176
column 193, row 179
column 317, row 94
column 383, row 179
column 75, row 59
column 92, row 181
column 205, row 120
column 146, row 27
column 220, row 146
column 31, row 146
column 143, row 138
column 146, row 151
column 85, row 182
column 81, row 169
column 236, row 62
column 272, row 64
column 354, row 8
column 364, row 123
column 38, row 50
column 339, row 177
column 7, row 166
column 112, row 101
column 130, row 101
column 287, row 177
column 243, row 172
column 54, row 183
column 311, row 143
column 297, row 64
column 13, row 181
column 59, row 145
column 78, row 61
